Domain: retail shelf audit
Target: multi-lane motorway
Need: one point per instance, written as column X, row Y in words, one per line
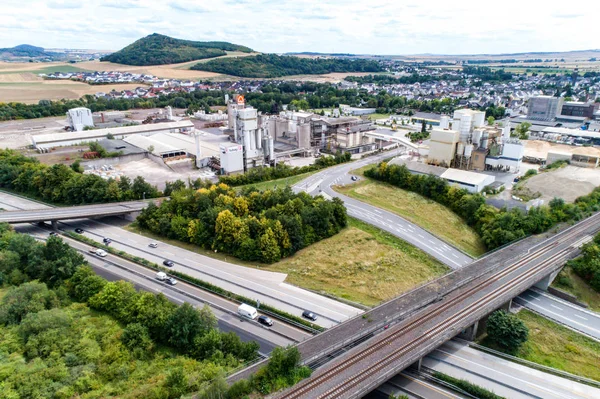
column 374, row 361
column 322, row 182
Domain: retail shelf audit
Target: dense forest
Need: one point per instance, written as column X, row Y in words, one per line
column 274, row 95
column 496, row 227
column 66, row 332
column 24, row 50
column 60, row 184
column 272, row 66
column 158, row 49
column 251, row 225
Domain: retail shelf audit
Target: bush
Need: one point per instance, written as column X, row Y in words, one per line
column 135, row 337
column 475, row 390
column 507, row 331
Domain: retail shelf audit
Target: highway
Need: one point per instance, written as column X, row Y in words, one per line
column 503, row 377
column 369, row 364
column 412, row 386
column 114, row 268
column 322, row 182
column 561, row 311
column 268, row 287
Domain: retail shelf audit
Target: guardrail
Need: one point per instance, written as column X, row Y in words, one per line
column 533, row 365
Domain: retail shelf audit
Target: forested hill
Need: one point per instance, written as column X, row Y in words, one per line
column 272, row 66
column 158, row 49
column 24, row 50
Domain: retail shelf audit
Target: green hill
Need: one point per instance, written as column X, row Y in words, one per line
column 24, row 50
column 273, row 66
column 158, row 49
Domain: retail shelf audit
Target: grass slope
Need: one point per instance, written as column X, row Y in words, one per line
column 568, row 281
column 362, row 263
column 553, row 345
column 428, row 214
column 158, row 49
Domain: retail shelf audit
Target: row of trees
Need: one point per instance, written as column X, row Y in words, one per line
column 496, row 227
column 272, row 66
column 251, row 225
column 280, row 171
column 587, row 266
column 40, row 321
column 63, row 185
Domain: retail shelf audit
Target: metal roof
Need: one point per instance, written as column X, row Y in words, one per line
column 464, row 176
column 572, row 132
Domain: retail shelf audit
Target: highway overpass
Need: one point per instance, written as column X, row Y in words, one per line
column 380, row 343
column 72, row 212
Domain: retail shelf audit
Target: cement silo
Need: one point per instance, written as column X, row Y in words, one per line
column 468, row 150
column 445, row 122
column 476, row 137
column 460, row 149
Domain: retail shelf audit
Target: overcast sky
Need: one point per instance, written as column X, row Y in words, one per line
column 342, row 26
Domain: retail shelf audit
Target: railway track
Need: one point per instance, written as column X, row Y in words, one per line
column 354, row 379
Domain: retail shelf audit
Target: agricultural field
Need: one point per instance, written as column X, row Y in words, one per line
column 361, row 264
column 426, row 213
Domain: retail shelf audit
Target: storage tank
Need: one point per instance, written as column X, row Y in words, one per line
column 477, row 137
column 460, row 149
column 464, row 137
column 445, row 122
column 478, row 118
column 485, row 144
column 468, row 150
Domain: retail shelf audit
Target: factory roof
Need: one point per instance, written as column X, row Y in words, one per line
column 427, row 115
column 466, row 177
column 159, row 146
column 419, row 167
column 572, row 132
column 115, row 131
column 120, row 145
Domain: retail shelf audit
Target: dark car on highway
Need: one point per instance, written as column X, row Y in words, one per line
column 168, row 263
column 78, row 230
column 309, row 315
column 107, row 240
column 53, row 233
column 265, row 320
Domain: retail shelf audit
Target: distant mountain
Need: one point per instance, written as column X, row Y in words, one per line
column 311, row 53
column 157, row 49
column 24, row 50
column 273, row 66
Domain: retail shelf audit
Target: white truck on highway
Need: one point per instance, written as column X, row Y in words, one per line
column 247, row 311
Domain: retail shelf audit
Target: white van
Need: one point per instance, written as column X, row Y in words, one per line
column 161, row 276
column 247, row 311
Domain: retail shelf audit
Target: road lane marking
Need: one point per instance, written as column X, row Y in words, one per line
column 581, row 317
column 556, row 307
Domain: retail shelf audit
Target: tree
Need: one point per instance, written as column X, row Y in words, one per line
column 76, row 166
column 491, row 120
column 176, row 383
column 150, row 148
column 522, row 130
column 135, row 337
column 507, row 331
column 184, row 325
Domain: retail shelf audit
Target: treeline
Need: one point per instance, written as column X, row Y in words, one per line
column 496, row 227
column 587, row 266
column 272, row 66
column 42, row 327
column 251, row 225
column 60, row 184
column 393, row 80
column 487, row 74
column 280, row 171
column 158, row 49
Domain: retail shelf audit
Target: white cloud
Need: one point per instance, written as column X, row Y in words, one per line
column 351, row 26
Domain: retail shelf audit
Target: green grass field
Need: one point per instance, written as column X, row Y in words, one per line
column 362, row 263
column 286, row 181
column 426, row 213
column 553, row 345
column 568, row 281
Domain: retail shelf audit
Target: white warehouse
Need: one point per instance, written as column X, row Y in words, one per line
column 79, row 118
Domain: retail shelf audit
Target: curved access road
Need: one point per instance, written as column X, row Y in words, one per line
column 322, row 182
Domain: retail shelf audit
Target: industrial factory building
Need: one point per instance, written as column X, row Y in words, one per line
column 79, row 118
column 465, row 142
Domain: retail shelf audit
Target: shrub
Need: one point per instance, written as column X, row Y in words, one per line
column 507, row 331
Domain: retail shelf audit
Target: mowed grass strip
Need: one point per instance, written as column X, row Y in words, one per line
column 361, row 263
column 430, row 215
column 279, row 183
column 553, row 345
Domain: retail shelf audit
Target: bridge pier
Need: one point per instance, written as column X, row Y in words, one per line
column 54, row 225
column 477, row 329
column 131, row 216
column 416, row 365
column 545, row 283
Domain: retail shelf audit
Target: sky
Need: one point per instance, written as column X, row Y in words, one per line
column 330, row 26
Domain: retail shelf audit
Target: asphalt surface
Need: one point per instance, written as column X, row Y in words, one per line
column 265, row 286
column 561, row 311
column 114, row 268
column 503, row 377
column 412, row 387
column 322, row 182
column 84, row 211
